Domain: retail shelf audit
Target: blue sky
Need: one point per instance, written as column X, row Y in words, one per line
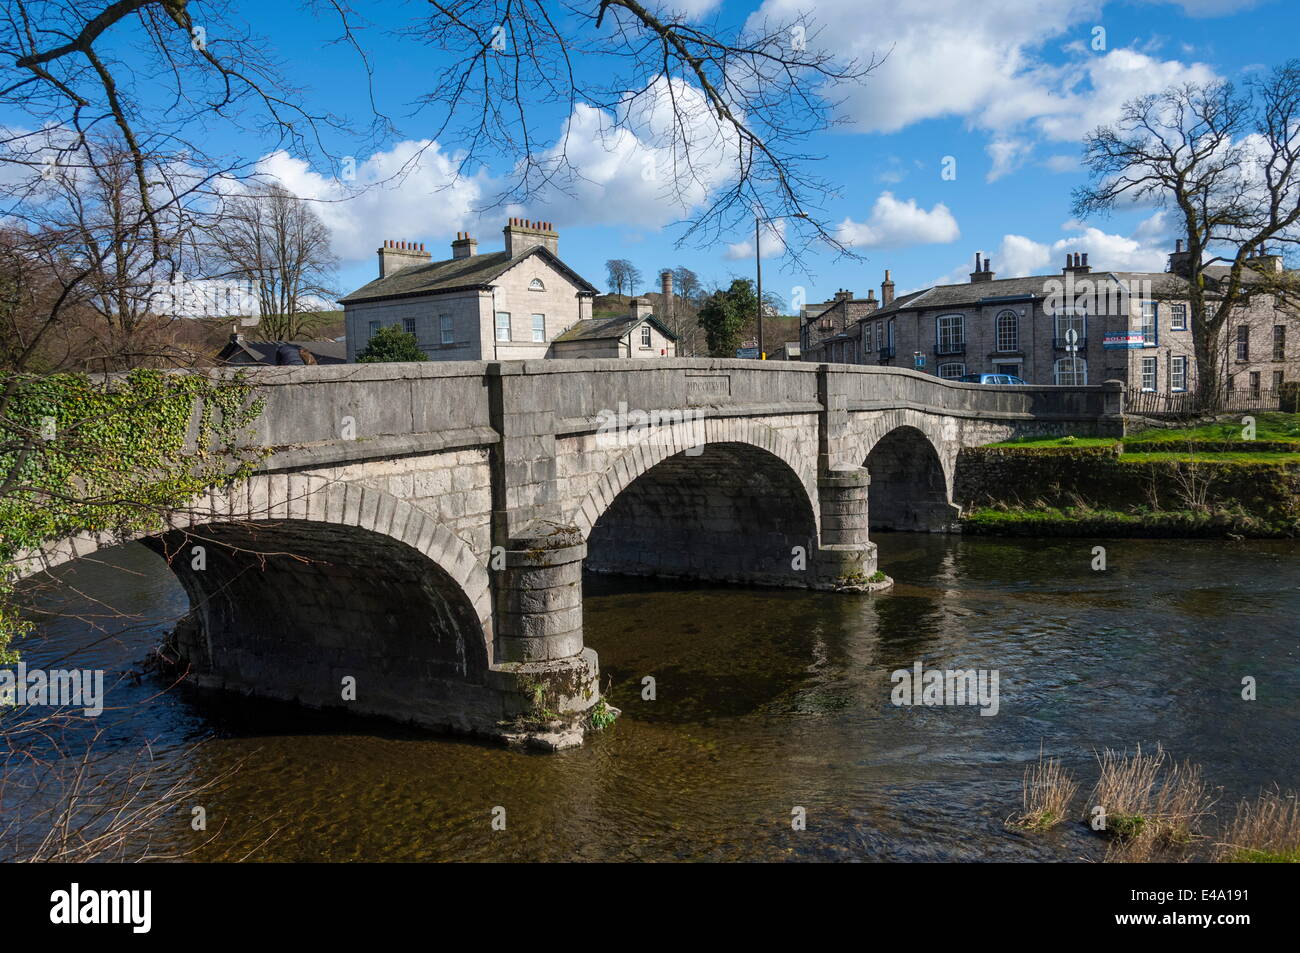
column 1006, row 88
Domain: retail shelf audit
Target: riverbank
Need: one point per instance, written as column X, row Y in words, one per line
column 1137, row 524
column 1230, row 479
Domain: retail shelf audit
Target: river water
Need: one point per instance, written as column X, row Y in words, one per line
column 765, row 701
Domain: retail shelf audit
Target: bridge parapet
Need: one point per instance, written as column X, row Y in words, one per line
column 509, row 473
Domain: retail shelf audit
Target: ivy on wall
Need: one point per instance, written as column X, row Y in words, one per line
column 91, row 454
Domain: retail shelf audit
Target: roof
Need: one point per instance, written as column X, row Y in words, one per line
column 264, row 352
column 992, row 292
column 602, row 329
column 456, row 274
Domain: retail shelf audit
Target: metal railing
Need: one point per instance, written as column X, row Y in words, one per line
column 1189, row 404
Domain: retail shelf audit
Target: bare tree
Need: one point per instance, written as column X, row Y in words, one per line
column 687, row 284
column 623, row 276
column 277, row 242
column 1227, row 163
column 720, row 114
column 746, row 100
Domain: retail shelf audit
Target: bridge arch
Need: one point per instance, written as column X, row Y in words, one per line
column 298, row 582
column 725, row 509
column 660, row 443
column 910, row 488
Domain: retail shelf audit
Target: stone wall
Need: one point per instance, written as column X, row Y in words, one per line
column 1102, row 478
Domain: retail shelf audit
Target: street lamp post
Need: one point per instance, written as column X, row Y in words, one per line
column 758, row 272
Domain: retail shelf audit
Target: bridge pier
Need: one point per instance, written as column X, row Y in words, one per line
column 548, row 679
column 847, row 556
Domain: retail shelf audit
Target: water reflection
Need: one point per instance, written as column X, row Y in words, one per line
column 765, row 700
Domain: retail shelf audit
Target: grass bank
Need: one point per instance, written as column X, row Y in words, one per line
column 1204, row 480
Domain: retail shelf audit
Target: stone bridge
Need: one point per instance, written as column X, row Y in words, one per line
column 420, row 530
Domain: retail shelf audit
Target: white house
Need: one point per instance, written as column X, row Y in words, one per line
column 505, row 305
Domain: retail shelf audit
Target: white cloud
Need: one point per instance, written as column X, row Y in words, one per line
column 946, row 57
column 771, row 240
column 1100, row 85
column 1007, row 155
column 409, row 192
column 1146, row 249
column 895, row 223
column 605, row 172
column 985, row 63
column 1109, row 252
column 655, row 162
column 1210, row 8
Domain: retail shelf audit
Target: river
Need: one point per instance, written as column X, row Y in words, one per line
column 765, row 701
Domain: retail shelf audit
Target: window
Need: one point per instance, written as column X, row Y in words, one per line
column 950, row 372
column 1243, row 342
column 536, row 285
column 444, row 324
column 374, row 328
column 1279, row 342
column 889, row 335
column 880, row 335
column 1254, row 383
column 503, row 325
column 1178, row 317
column 1177, row 372
column 1148, row 373
column 1277, row 381
column 1008, row 331
column 950, row 334
column 1148, row 323
column 645, row 336
column 1069, row 320
column 408, row 325
column 1070, row 372
column 539, row 329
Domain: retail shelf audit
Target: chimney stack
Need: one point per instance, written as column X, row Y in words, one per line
column 1180, row 261
column 464, row 246
column 886, row 290
column 1076, row 263
column 666, row 290
column 1265, row 263
column 521, row 235
column 983, row 269
column 640, row 308
column 396, row 255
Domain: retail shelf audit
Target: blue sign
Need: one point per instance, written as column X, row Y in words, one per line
column 918, row 361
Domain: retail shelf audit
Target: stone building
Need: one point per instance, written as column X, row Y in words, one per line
column 504, row 305
column 1075, row 327
column 636, row 335
column 829, row 331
